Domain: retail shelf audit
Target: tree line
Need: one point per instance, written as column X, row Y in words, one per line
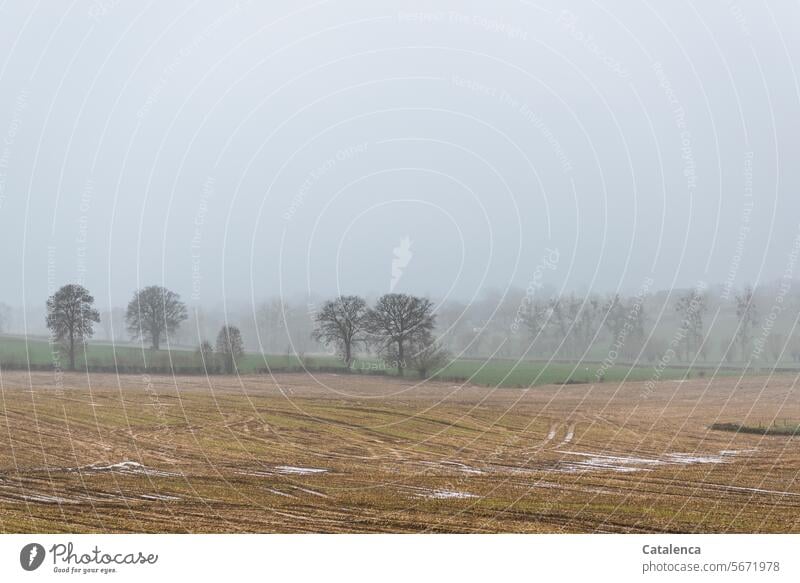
column 695, row 324
column 398, row 327
column 152, row 315
column 571, row 326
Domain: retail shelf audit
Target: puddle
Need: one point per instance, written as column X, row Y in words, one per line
column 48, row 499
column 445, row 495
column 609, row 462
column 438, row 493
column 161, row 497
column 690, row 458
column 126, row 467
column 285, row 471
column 621, row 463
column 299, row 471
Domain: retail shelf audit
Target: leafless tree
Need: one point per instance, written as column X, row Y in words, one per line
column 153, row 313
column 342, row 323
column 70, row 317
column 615, row 316
column 587, row 316
column 636, row 333
column 747, row 314
column 397, row 321
column 427, row 356
column 691, row 308
column 537, row 318
column 560, row 316
column 206, row 353
column 230, row 347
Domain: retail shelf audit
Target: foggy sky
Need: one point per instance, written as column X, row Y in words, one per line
column 240, row 151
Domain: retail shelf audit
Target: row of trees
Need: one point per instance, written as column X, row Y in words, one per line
column 570, row 326
column 692, row 307
column 398, row 327
column 153, row 314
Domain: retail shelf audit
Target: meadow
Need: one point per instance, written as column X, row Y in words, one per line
column 17, row 353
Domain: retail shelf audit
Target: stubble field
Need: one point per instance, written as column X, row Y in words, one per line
column 341, row 453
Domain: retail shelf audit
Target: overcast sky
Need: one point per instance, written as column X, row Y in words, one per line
column 241, row 151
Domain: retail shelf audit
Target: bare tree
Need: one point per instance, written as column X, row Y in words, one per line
column 206, row 353
column 427, row 356
column 153, row 313
column 70, row 317
column 560, row 316
column 397, row 321
column 625, row 322
column 636, row 321
column 230, row 347
column 691, row 307
column 586, row 321
column 342, row 323
column 747, row 314
column 537, row 318
column 615, row 316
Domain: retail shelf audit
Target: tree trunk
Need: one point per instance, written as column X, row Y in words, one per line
column 348, row 359
column 155, row 340
column 400, row 356
column 71, row 352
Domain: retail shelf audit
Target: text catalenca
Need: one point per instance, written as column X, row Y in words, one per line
column 669, row 550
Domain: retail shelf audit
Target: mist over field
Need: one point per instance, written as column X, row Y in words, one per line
column 400, row 267
column 240, row 153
